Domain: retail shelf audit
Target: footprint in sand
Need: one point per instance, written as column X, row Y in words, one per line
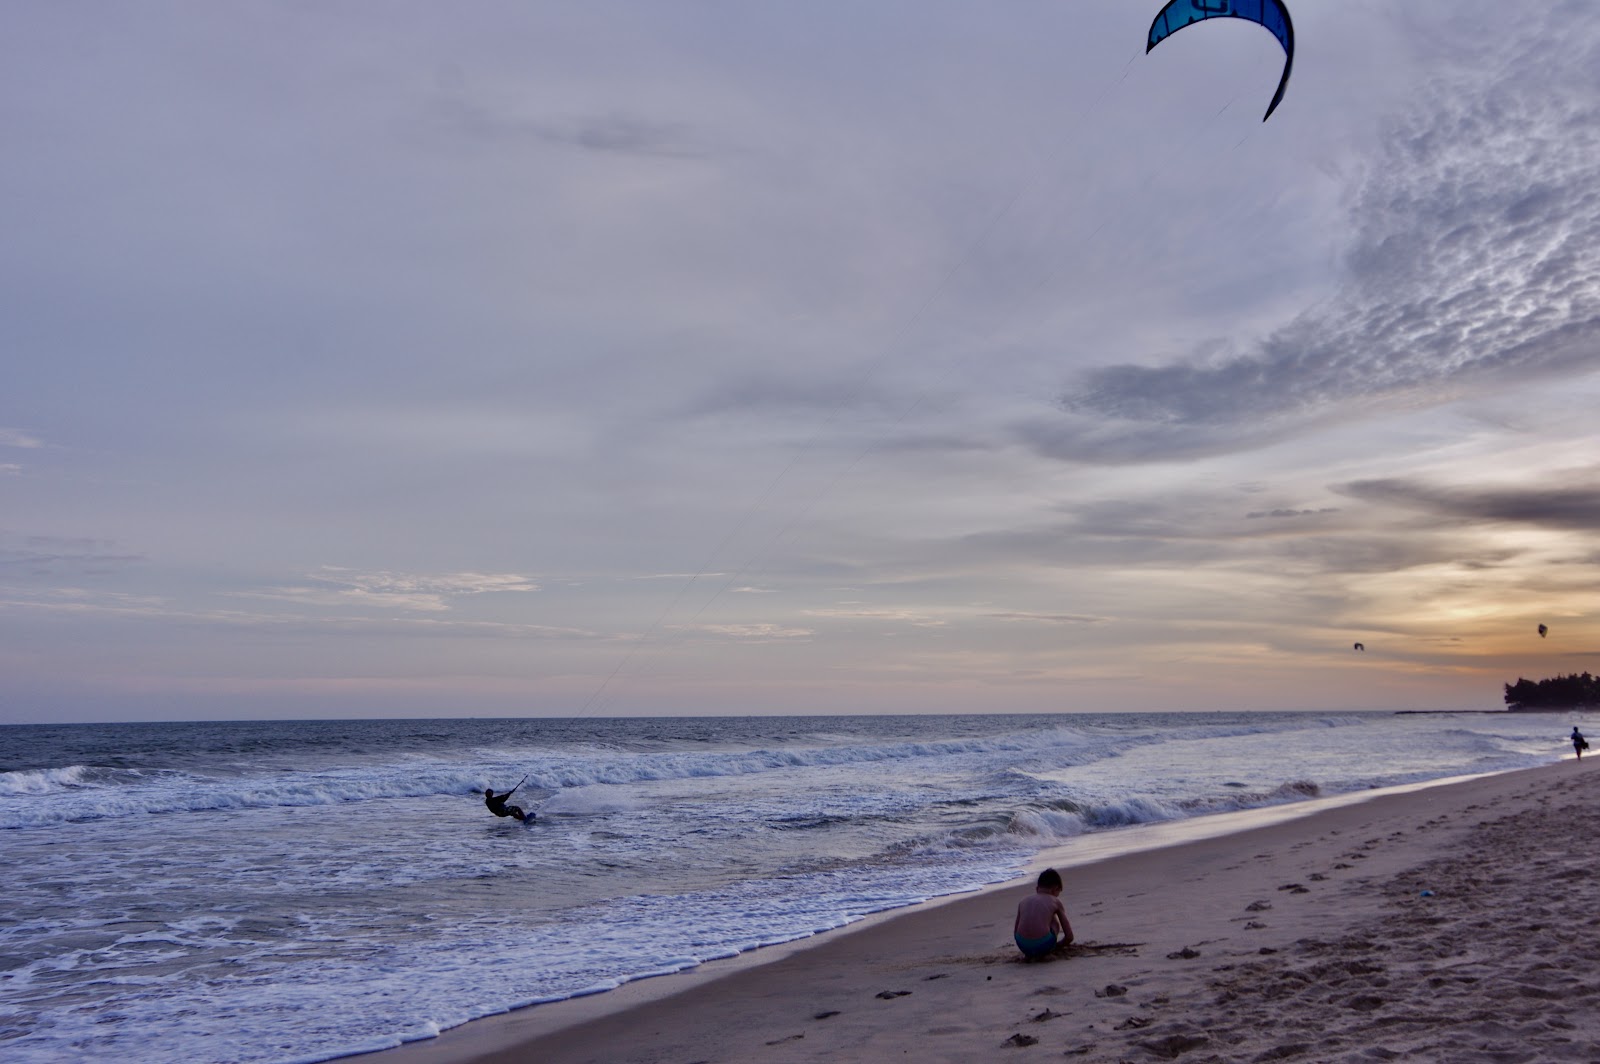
column 826, row 1015
column 889, row 995
column 1020, row 1039
column 1173, row 1045
column 780, row 1041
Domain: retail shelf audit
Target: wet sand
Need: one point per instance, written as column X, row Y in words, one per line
column 1450, row 923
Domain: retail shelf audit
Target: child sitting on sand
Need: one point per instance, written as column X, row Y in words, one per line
column 1038, row 916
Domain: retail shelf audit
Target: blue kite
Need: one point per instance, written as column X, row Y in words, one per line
column 1268, row 13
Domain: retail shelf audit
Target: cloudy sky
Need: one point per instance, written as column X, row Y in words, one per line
column 382, row 359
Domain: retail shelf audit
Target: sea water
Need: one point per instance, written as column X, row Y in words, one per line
column 300, row 890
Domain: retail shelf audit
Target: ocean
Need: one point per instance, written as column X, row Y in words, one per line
column 294, row 891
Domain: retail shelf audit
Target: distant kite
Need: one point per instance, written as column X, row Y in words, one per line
column 1268, row 13
column 1542, row 631
column 1361, row 647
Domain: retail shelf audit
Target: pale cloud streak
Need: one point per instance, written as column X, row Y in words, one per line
column 93, row 603
column 336, row 586
column 1046, row 618
column 916, row 618
column 757, row 632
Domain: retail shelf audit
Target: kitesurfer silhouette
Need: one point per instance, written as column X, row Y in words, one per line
column 497, row 803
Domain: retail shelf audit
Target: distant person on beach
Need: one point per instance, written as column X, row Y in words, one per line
column 1579, row 743
column 1039, row 915
column 497, row 804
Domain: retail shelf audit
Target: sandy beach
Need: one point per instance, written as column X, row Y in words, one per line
column 1449, row 923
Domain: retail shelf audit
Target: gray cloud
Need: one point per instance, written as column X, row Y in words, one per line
column 626, row 135
column 1194, row 531
column 1475, row 259
column 1575, row 507
column 1255, row 514
column 1388, row 552
column 1181, row 517
column 55, row 555
column 616, row 133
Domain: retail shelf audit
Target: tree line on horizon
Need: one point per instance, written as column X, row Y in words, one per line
column 1559, row 692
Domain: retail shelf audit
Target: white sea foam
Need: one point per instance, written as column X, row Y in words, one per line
column 593, row 800
column 42, row 780
column 131, row 794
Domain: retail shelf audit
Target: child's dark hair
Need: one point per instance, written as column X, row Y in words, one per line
column 1049, row 879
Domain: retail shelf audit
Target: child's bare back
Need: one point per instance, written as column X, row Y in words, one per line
column 1040, row 915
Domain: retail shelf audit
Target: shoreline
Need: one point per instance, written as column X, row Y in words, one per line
column 942, row 979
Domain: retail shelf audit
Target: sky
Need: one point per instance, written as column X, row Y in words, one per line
column 369, row 359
